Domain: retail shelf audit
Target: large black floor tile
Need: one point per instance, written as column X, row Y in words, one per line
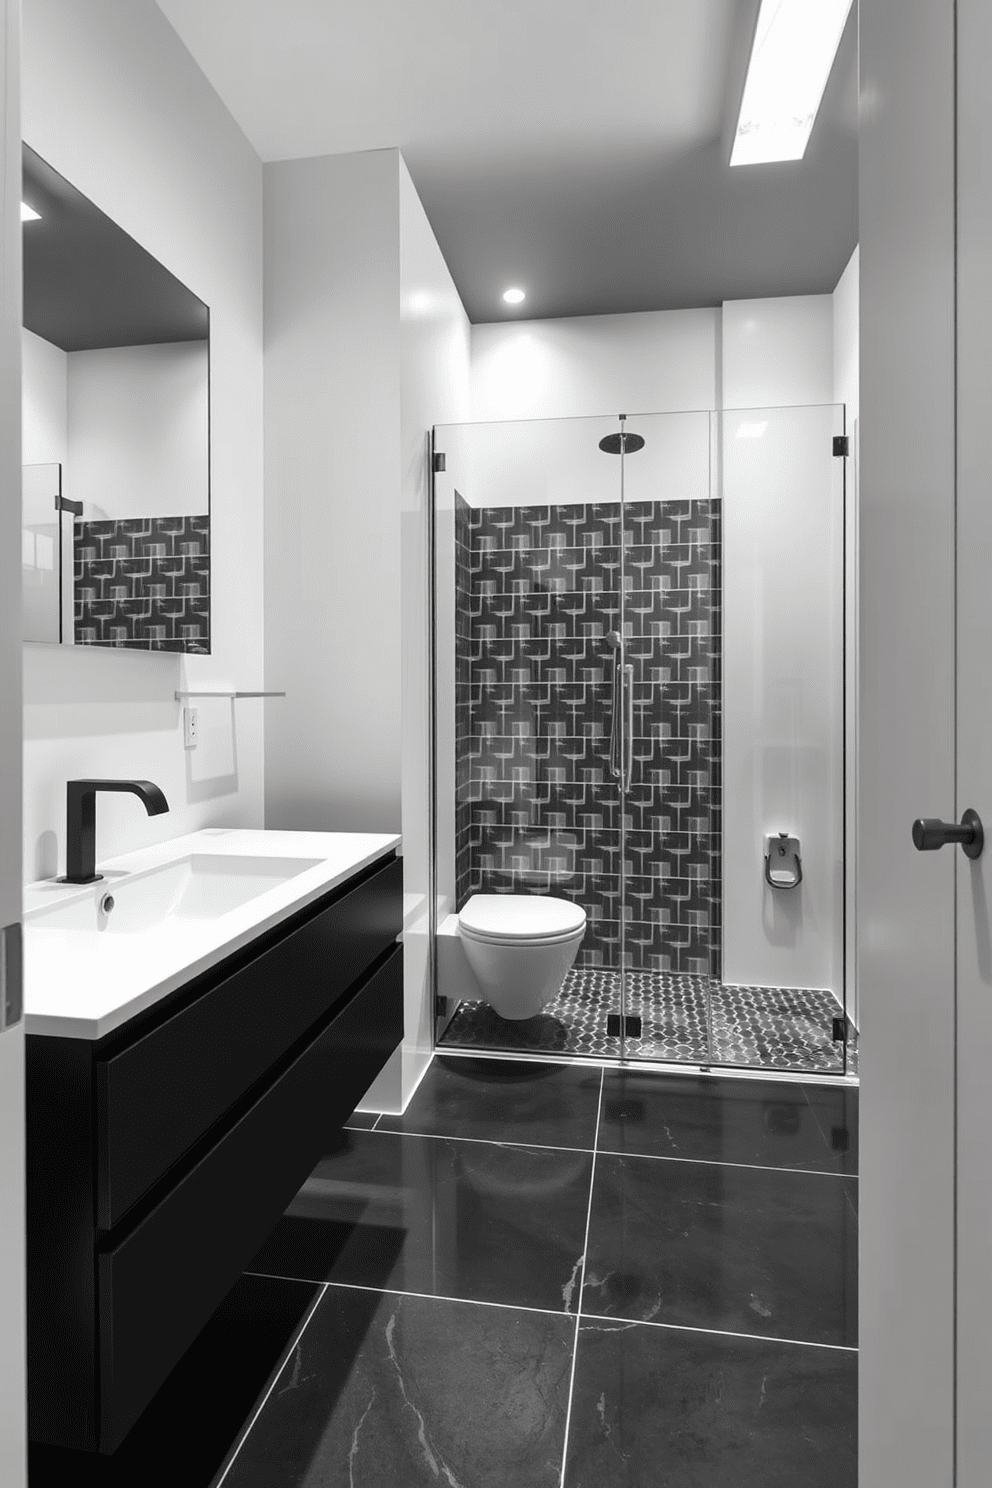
column 387, row 1390
column 429, row 1214
column 771, row 1123
column 502, row 1100
column 682, row 1410
column 835, row 1110
column 193, row 1422
column 362, row 1120
column 742, row 1249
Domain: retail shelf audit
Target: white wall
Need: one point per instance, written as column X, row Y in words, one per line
column 782, row 642
column 778, row 352
column 45, row 401
column 846, row 336
column 586, row 366
column 138, row 420
column 366, row 346
column 332, row 492
column 434, row 389
column 114, row 102
column 13, row 1423
column 782, row 695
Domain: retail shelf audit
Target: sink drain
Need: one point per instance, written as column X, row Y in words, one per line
column 107, row 903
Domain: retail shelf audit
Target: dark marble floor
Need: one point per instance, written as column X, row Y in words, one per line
column 542, row 1275
column 552, row 1275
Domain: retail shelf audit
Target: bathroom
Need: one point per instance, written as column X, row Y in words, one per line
column 561, row 605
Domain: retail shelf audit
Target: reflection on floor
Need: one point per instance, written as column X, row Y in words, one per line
column 767, row 1027
column 545, row 1275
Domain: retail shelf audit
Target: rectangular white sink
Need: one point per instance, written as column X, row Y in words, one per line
column 200, row 886
column 180, row 907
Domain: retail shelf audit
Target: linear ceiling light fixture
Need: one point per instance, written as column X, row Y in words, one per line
column 28, row 214
column 794, row 48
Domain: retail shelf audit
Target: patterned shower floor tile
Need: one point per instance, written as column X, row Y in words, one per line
column 760, row 1027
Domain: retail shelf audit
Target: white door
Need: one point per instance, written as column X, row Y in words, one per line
column 925, row 918
column 907, row 702
column 974, row 745
column 13, row 1468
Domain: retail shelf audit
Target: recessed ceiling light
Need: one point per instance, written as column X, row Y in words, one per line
column 514, row 296
column 794, row 48
column 28, row 214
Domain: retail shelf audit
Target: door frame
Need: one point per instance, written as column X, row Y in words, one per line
column 13, row 1390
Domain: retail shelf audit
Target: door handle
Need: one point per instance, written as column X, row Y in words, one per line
column 929, row 833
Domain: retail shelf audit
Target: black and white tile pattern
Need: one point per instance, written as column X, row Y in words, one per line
column 538, row 589
column 144, row 583
column 763, row 1027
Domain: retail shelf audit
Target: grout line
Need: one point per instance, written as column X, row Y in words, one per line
column 376, row 1121
column 277, row 1375
column 598, row 1317
column 711, row 1162
column 355, row 1286
column 606, row 1152
column 620, row 1322
column 582, row 1282
column 386, row 1131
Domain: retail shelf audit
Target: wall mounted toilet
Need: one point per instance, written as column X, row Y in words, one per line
column 520, row 948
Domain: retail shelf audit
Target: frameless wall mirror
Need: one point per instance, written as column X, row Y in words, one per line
column 116, row 441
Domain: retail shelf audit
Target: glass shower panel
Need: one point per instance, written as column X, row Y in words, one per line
column 527, row 587
column 782, row 994
column 671, row 833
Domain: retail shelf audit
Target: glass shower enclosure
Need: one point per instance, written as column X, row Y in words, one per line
column 623, row 609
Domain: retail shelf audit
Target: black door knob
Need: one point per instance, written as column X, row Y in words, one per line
column 929, row 833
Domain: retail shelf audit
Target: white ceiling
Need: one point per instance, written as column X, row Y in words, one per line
column 576, row 147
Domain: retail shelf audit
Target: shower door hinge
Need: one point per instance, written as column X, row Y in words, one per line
column 11, row 976
column 439, row 462
column 840, row 1031
column 440, row 1007
column 842, row 444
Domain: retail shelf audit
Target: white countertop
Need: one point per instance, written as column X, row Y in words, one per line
column 83, row 984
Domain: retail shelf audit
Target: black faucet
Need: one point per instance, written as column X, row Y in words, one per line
column 80, row 819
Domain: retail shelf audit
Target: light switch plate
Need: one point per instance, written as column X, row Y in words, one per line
column 191, row 727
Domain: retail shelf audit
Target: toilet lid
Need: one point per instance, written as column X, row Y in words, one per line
column 520, row 917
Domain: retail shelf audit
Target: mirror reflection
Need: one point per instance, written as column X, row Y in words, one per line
column 116, row 478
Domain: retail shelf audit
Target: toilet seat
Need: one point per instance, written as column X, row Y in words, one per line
column 520, row 919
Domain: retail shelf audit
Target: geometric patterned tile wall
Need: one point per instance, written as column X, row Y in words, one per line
column 538, row 589
column 463, row 699
column 143, row 582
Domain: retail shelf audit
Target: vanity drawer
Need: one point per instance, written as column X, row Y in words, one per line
column 158, row 1287
column 160, row 1095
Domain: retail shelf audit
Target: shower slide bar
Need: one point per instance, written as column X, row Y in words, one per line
column 622, row 713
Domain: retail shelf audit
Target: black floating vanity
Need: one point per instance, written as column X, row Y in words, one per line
column 160, row 1156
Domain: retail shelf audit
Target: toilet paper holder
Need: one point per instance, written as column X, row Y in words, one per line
column 783, row 861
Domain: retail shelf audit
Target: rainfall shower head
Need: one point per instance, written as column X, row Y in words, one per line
column 621, row 444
